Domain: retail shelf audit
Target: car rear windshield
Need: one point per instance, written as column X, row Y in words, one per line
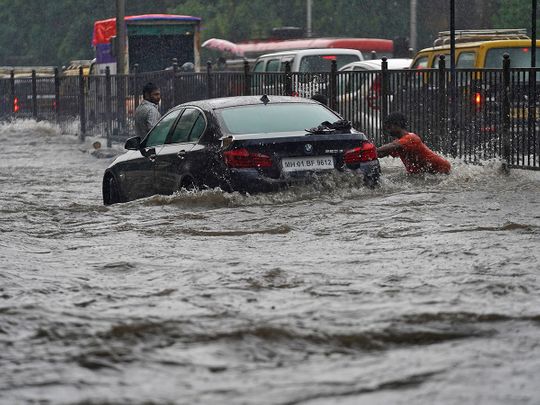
column 519, row 57
column 270, row 118
column 323, row 63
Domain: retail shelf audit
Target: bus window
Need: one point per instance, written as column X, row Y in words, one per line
column 466, row 60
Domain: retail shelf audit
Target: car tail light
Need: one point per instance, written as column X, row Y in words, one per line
column 363, row 153
column 478, row 101
column 16, row 104
column 242, row 158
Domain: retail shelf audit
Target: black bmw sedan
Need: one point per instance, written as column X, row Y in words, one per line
column 247, row 144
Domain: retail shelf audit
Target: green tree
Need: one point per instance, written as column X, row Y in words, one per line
column 514, row 14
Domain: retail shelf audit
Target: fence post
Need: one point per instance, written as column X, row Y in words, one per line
column 288, row 79
column 332, row 99
column 247, row 79
column 82, row 109
column 135, row 83
column 384, row 88
column 57, row 95
column 108, row 91
column 442, row 101
column 209, row 91
column 175, row 92
column 14, row 105
column 34, row 95
column 506, row 113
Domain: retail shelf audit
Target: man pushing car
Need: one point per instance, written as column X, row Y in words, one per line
column 408, row 146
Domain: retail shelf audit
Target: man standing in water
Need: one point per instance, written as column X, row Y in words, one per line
column 147, row 113
column 414, row 154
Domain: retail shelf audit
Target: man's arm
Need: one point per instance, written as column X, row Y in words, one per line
column 389, row 148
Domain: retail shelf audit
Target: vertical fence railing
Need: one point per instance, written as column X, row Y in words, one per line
column 57, row 96
column 82, row 105
column 108, row 105
column 34, row 96
column 247, row 79
column 384, row 89
column 496, row 109
column 209, row 80
column 442, row 100
column 506, row 150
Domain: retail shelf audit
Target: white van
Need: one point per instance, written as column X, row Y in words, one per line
column 311, row 68
column 306, row 60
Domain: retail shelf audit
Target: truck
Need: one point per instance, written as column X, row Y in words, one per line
column 153, row 41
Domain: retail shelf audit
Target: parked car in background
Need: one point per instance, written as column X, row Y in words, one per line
column 479, row 93
column 479, row 49
column 22, row 104
column 247, row 144
column 359, row 91
column 310, row 69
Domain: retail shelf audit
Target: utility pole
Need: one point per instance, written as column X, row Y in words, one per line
column 308, row 18
column 413, row 25
column 533, row 34
column 120, row 37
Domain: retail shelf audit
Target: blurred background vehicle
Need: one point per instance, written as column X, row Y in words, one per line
column 309, row 68
column 359, row 91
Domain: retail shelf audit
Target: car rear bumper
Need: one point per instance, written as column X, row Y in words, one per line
column 254, row 181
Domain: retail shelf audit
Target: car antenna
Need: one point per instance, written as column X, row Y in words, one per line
column 265, row 99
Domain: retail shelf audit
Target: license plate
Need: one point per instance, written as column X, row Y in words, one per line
column 307, row 163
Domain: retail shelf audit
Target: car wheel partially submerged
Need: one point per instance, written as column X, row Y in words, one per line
column 111, row 194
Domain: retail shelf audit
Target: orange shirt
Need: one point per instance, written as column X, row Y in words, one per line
column 418, row 158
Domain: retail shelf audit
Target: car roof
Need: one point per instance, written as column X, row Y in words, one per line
column 317, row 51
column 489, row 44
column 375, row 64
column 226, row 102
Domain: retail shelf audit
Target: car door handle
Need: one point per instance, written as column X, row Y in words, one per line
column 181, row 154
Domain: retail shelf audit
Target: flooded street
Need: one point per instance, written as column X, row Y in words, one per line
column 424, row 291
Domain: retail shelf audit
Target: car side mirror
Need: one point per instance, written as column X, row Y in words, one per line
column 133, row 143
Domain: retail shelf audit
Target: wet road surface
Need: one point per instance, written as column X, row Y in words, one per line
column 423, row 291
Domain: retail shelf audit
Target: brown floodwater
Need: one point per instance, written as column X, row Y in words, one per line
column 423, row 291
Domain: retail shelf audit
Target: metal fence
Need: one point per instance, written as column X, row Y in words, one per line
column 472, row 114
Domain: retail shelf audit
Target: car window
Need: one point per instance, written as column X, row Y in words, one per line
column 420, row 63
column 272, row 65
column 284, row 61
column 158, row 134
column 437, row 59
column 466, row 60
column 198, row 128
column 259, row 66
column 270, row 118
column 519, row 57
column 184, row 126
column 323, row 63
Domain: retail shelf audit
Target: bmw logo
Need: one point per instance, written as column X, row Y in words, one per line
column 308, row 148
